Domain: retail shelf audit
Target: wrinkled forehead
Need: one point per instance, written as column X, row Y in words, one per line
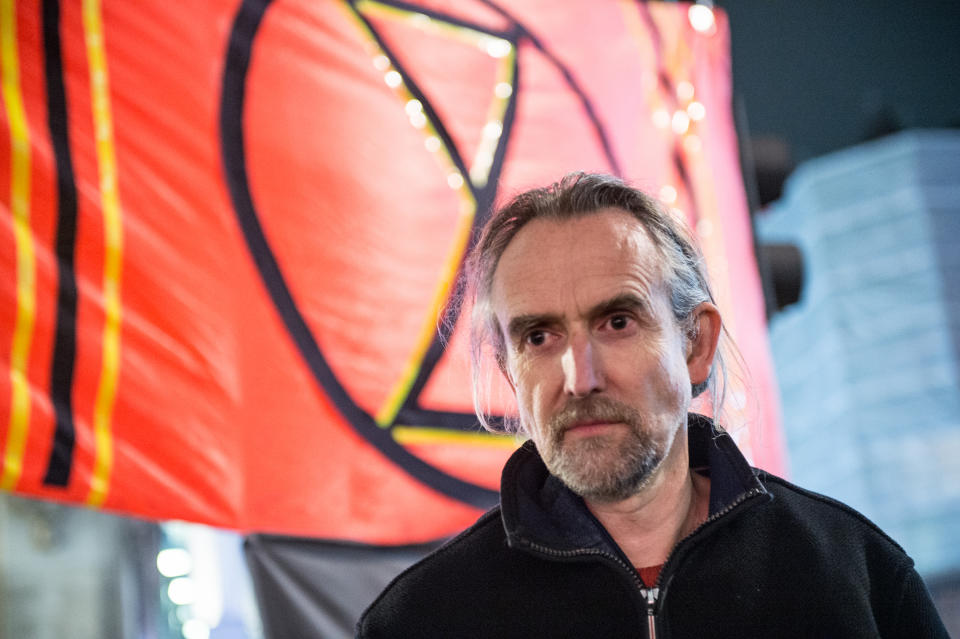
column 559, row 256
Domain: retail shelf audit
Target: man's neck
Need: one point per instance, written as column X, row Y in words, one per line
column 648, row 524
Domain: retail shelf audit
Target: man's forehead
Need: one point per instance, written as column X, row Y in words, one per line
column 608, row 248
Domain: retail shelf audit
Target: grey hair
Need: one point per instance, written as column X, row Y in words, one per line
column 574, row 196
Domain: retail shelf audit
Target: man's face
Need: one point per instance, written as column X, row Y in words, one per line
column 595, row 357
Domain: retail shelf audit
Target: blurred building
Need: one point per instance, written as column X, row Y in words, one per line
column 67, row 571
column 869, row 360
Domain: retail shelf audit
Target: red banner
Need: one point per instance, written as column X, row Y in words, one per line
column 229, row 233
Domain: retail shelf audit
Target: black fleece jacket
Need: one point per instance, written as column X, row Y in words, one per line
column 772, row 560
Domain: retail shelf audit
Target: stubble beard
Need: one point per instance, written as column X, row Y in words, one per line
column 605, row 467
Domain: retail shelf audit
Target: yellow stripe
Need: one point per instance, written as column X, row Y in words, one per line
column 468, row 206
column 23, row 237
column 424, row 22
column 113, row 253
column 412, row 435
column 483, row 158
column 400, row 391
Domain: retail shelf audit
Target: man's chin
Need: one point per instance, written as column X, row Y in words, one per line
column 598, row 467
column 605, row 489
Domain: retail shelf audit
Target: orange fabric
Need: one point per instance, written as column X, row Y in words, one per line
column 360, row 204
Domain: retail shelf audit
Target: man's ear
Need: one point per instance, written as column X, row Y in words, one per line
column 702, row 339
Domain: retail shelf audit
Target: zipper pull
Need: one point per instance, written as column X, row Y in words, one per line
column 651, row 594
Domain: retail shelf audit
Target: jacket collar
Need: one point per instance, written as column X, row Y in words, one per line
column 537, row 508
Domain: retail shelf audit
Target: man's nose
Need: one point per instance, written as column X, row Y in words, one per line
column 582, row 371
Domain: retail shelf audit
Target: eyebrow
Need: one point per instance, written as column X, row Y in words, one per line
column 622, row 302
column 522, row 323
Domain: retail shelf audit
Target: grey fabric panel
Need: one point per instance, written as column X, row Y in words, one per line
column 869, row 360
column 312, row 588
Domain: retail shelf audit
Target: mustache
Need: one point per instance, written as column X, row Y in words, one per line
column 592, row 408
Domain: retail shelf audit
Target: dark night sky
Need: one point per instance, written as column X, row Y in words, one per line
column 821, row 73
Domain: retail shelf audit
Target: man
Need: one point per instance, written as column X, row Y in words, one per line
column 624, row 516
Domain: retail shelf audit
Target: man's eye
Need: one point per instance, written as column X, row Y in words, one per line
column 536, row 338
column 619, row 322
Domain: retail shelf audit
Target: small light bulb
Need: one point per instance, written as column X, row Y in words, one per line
column 680, row 122
column 420, row 20
column 381, row 63
column 418, row 120
column 503, row 90
column 492, row 129
column 696, row 111
column 182, row 591
column 174, row 562
column 498, row 48
column 481, row 166
column 701, row 18
column 195, row 629
column 413, row 106
column 685, row 91
column 668, row 194
column 454, row 180
column 393, row 79
column 432, row 144
column 661, row 119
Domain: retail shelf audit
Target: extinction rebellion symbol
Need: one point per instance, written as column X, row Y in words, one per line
column 477, row 180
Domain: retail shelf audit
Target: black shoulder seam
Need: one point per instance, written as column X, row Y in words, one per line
column 829, row 501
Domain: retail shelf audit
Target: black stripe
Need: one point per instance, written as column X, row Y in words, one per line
column 466, row 422
column 239, row 50
column 65, row 344
column 487, row 195
column 571, row 80
column 440, row 16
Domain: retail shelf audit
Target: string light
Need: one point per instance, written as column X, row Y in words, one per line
column 481, row 166
column 455, row 181
column 195, row 629
column 696, row 111
column 503, row 89
column 668, row 194
column 182, row 591
column 413, row 106
column 393, row 79
column 420, row 20
column 498, row 48
column 661, row 119
column 174, row 562
column 493, row 129
column 680, row 122
column 685, row 91
column 701, row 18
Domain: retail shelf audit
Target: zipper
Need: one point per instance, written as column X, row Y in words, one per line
column 580, row 552
column 753, row 492
column 651, row 596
